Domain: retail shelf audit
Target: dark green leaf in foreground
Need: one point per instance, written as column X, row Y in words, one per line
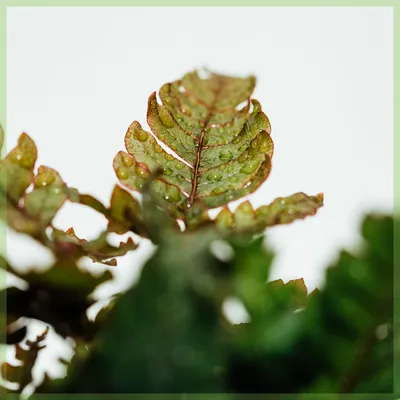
column 340, row 342
column 168, row 334
column 171, row 340
column 298, row 291
column 223, row 151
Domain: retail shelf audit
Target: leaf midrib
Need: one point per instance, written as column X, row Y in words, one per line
column 211, row 110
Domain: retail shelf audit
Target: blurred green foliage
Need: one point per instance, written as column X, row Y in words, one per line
column 168, row 333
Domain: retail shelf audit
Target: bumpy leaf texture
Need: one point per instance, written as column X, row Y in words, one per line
column 282, row 210
column 223, row 149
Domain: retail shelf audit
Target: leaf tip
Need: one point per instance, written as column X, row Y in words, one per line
column 70, row 231
column 112, row 262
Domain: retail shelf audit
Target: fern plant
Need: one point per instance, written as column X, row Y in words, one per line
column 214, row 152
column 209, row 145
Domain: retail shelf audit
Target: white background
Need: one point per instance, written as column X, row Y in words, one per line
column 77, row 77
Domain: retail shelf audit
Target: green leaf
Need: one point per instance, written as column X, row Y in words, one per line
column 68, row 245
column 19, row 221
column 282, row 210
column 299, row 292
column 32, row 212
column 125, row 213
column 90, row 201
column 48, row 195
column 16, row 170
column 226, row 152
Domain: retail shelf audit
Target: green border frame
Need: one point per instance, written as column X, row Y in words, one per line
column 395, row 5
column 3, row 81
